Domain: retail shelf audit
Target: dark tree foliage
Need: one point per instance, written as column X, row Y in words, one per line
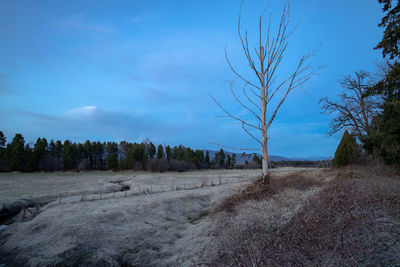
column 38, row 154
column 385, row 134
column 160, row 152
column 199, row 159
column 112, row 155
column 233, row 160
column 68, row 155
column 152, row 150
column 220, row 159
column 18, row 156
column 207, row 160
column 3, row 140
column 88, row 153
column 346, row 152
column 168, row 152
column 228, row 162
column 390, row 22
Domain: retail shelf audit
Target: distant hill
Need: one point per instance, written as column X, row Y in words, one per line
column 240, row 159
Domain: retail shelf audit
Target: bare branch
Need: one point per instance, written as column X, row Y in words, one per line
column 232, row 116
column 268, row 53
column 354, row 109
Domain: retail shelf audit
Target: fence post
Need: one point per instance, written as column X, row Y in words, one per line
column 60, row 199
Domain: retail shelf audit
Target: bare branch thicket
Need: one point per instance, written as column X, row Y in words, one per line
column 354, row 109
column 256, row 95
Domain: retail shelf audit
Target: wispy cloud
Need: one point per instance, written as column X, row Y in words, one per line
column 80, row 22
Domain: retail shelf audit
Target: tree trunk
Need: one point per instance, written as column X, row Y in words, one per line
column 265, row 171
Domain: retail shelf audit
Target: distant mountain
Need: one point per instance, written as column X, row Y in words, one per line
column 314, row 158
column 240, row 158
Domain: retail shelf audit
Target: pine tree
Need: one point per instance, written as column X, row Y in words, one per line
column 68, row 155
column 233, row 160
column 346, row 151
column 207, row 160
column 3, row 140
column 152, row 150
column 160, row 152
column 228, row 162
column 59, row 149
column 18, row 156
column 112, row 155
column 88, row 151
column 168, row 152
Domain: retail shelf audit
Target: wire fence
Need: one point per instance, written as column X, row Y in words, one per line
column 143, row 189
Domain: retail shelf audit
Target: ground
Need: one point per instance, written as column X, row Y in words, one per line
column 175, row 219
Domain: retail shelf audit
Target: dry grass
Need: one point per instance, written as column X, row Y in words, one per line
column 354, row 220
column 259, row 190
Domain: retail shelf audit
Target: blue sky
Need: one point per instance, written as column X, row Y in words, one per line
column 127, row 70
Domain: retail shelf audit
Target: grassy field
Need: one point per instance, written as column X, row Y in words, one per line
column 300, row 218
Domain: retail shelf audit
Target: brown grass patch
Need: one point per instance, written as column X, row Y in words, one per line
column 260, row 190
column 353, row 221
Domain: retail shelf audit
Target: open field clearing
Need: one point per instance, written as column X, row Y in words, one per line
column 14, row 186
column 165, row 228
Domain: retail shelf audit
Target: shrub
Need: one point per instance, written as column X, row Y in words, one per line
column 346, row 152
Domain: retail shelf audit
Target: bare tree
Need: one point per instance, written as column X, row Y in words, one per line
column 354, row 109
column 263, row 96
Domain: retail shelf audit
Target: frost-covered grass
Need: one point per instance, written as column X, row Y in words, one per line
column 14, row 186
column 169, row 228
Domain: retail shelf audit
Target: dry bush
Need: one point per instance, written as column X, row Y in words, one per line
column 354, row 220
column 260, row 190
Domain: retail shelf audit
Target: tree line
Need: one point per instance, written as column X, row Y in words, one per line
column 18, row 155
column 368, row 110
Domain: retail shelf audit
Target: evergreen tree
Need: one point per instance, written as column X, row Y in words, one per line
column 75, row 154
column 88, row 152
column 390, row 22
column 220, row 158
column 3, row 141
column 99, row 152
column 228, row 162
column 38, row 153
column 233, row 160
column 112, row 155
column 128, row 160
column 346, row 151
column 152, row 150
column 168, row 152
column 207, row 160
column 18, row 156
column 52, row 148
column 256, row 159
column 68, row 155
column 59, row 149
column 384, row 137
column 199, row 158
column 160, row 152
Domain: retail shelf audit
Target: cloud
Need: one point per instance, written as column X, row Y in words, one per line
column 83, row 111
column 91, row 122
column 79, row 22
